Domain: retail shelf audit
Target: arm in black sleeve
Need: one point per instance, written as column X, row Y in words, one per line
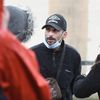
column 86, row 86
column 77, row 69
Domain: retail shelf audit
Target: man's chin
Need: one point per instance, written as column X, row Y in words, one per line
column 50, row 43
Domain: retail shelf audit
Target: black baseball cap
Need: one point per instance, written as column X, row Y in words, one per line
column 57, row 21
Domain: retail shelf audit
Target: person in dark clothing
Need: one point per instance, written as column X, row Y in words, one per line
column 85, row 86
column 56, row 59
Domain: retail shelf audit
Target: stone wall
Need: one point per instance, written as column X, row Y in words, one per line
column 76, row 14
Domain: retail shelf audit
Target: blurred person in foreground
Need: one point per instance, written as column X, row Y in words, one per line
column 59, row 62
column 20, row 78
column 87, row 85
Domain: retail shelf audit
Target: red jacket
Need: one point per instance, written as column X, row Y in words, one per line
column 19, row 73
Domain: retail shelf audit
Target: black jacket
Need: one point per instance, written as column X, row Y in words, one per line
column 86, row 86
column 49, row 61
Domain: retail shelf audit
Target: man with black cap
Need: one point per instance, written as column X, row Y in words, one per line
column 58, row 60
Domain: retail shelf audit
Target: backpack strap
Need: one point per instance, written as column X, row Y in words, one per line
column 61, row 62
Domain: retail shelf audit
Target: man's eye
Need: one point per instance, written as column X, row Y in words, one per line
column 55, row 30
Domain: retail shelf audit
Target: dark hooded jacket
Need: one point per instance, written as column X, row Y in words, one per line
column 86, row 86
column 49, row 61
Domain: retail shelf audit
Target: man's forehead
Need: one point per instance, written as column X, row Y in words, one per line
column 51, row 27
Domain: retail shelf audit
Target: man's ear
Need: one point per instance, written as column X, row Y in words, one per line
column 64, row 34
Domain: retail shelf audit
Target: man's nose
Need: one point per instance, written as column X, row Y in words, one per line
column 50, row 33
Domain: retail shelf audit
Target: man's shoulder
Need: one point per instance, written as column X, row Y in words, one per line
column 38, row 46
column 71, row 49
